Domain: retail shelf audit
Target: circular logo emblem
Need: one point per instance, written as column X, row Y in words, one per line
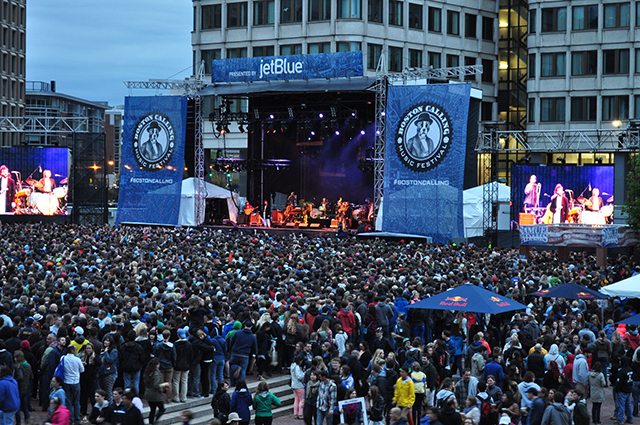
column 154, row 141
column 423, row 137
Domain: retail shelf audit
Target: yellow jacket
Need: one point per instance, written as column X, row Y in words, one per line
column 404, row 394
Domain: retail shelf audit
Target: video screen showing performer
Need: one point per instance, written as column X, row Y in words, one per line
column 33, row 181
column 563, row 194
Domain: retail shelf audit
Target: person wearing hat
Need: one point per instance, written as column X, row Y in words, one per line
column 184, row 356
column 151, row 149
column 79, row 341
column 234, row 419
column 27, row 330
column 244, row 347
column 381, row 342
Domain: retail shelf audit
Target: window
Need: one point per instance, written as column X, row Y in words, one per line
column 453, row 22
column 532, row 21
column 616, row 15
column 637, row 61
column 487, row 28
column 319, row 10
column 486, row 111
column 531, row 67
column 237, row 15
column 531, row 116
column 415, row 16
column 395, row 59
column 554, row 19
column 615, row 61
column 374, row 51
column 468, row 61
column 211, row 17
column 415, row 58
column 349, row 9
column 291, row 49
column 585, row 17
column 553, row 64
column 552, row 109
column 435, row 19
column 452, row 61
column 349, row 46
column 637, row 108
column 638, row 14
column 615, row 108
column 290, row 11
column 395, row 12
column 487, row 70
column 240, row 52
column 263, row 51
column 375, row 11
column 583, row 108
column 319, row 48
column 208, row 56
column 263, row 12
column 435, row 60
column 584, row 63
column 470, row 25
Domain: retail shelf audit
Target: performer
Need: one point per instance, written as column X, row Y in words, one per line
column 48, row 184
column 343, row 214
column 559, row 205
column 7, row 191
column 266, row 214
column 595, row 203
column 532, row 192
column 324, row 208
column 292, row 199
column 247, row 210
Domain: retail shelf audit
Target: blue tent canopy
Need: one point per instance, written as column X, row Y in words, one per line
column 571, row 291
column 469, row 298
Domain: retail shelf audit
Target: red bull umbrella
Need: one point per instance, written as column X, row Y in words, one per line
column 469, row 298
column 571, row 291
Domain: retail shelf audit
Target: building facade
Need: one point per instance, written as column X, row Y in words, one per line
column 113, row 139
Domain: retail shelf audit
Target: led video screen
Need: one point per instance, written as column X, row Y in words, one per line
column 34, row 181
column 563, row 194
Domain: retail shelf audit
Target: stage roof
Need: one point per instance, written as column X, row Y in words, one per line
column 336, row 84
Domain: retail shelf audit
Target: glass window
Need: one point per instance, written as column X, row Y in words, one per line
column 585, row 17
column 486, row 111
column 415, row 58
column 552, row 64
column 637, row 106
column 415, row 16
column 263, row 12
column 290, row 11
column 487, row 28
column 531, row 68
column 435, row 19
column 615, row 108
column 615, row 61
column 638, row 14
column 374, row 52
column 470, row 25
column 469, row 61
column 532, row 21
column 348, row 46
column 395, row 12
column 208, row 56
column 583, row 108
column 531, row 112
column 453, row 22
column 552, row 109
column 487, row 70
column 349, row 9
column 236, row 15
column 453, row 61
column 319, row 10
column 263, row 51
column 584, row 63
column 395, row 59
column 435, row 60
column 211, row 17
column 637, row 61
column 616, row 15
column 554, row 19
column 375, row 11
column 291, row 49
column 240, row 52
column 319, row 48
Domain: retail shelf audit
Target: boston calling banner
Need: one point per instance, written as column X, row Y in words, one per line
column 424, row 160
column 152, row 159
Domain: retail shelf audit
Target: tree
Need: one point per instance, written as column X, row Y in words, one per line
column 632, row 205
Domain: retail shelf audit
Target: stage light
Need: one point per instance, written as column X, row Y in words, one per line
column 320, row 116
column 271, row 117
column 377, row 132
column 337, row 132
column 362, row 132
column 313, row 133
column 616, row 123
column 383, row 114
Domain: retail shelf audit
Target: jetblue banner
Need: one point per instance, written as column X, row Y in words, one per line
column 152, row 159
column 424, row 160
column 292, row 67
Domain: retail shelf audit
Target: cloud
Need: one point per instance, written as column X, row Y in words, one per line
column 90, row 47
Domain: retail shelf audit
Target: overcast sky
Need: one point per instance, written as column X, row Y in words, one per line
column 90, row 47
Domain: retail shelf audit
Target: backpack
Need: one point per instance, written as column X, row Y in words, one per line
column 486, row 414
column 60, row 369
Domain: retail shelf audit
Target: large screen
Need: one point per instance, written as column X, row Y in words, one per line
column 562, row 194
column 33, row 181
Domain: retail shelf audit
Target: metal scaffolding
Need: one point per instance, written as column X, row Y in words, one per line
column 47, row 124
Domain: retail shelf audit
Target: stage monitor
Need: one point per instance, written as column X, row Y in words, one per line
column 33, row 181
column 562, row 194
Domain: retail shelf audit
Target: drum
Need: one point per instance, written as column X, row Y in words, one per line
column 33, row 198
column 573, row 216
column 607, row 210
column 60, row 192
column 24, row 192
column 47, row 203
column 315, row 213
column 592, row 217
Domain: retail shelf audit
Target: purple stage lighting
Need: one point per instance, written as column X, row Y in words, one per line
column 313, row 133
column 320, row 116
column 337, row 132
column 271, row 117
column 362, row 132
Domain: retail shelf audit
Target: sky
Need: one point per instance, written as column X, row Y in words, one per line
column 89, row 47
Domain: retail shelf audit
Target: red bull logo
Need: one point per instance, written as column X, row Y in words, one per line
column 456, row 298
column 495, row 299
column 456, row 301
column 584, row 295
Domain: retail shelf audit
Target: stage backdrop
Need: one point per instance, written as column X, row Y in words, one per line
column 152, row 159
column 425, row 145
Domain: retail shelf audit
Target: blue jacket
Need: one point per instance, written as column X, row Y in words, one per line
column 458, row 343
column 496, row 370
column 240, row 403
column 244, row 343
column 9, row 395
column 220, row 346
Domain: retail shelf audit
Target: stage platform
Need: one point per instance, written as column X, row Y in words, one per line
column 26, row 218
column 283, row 231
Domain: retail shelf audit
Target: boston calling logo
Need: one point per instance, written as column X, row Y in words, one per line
column 154, row 141
column 423, row 137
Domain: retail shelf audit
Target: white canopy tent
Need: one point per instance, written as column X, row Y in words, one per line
column 473, row 200
column 188, row 201
column 629, row 288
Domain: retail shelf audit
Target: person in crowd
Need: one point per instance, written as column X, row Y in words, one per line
column 154, row 387
column 557, row 413
column 88, row 379
column 327, row 399
column 131, row 358
column 221, row 402
column 133, row 415
column 166, row 353
column 597, row 383
column 73, row 367
column 184, row 355
column 404, row 396
column 108, row 371
column 60, row 415
column 241, row 402
column 263, row 401
column 244, row 348
column 9, row 396
column 297, row 385
column 57, row 390
column 23, row 375
column 101, row 411
column 624, row 388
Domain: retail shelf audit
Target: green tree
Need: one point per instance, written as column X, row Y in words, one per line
column 632, row 206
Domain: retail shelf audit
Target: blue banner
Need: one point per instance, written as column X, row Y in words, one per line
column 424, row 160
column 152, row 159
column 291, row 67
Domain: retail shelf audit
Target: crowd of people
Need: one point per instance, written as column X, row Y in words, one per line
column 94, row 320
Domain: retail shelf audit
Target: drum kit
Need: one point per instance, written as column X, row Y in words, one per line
column 580, row 212
column 31, row 200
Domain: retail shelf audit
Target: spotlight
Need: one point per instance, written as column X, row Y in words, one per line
column 313, row 133
column 383, row 114
column 362, row 132
column 271, row 117
column 337, row 132
column 320, row 116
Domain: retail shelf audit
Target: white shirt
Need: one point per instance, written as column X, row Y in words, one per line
column 73, row 367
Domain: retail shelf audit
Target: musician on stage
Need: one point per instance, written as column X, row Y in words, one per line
column 7, row 191
column 532, row 192
column 292, row 199
column 595, row 203
column 559, row 205
column 344, row 214
column 48, row 184
column 247, row 210
column 266, row 213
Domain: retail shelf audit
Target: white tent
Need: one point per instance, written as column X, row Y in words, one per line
column 473, row 200
column 629, row 287
column 188, row 201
